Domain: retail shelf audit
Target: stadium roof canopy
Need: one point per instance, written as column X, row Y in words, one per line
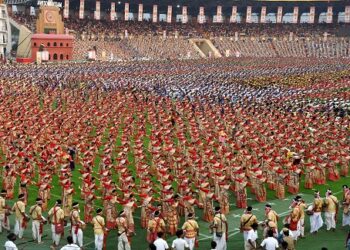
column 210, row 5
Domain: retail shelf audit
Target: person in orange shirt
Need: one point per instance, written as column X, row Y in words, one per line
column 122, row 227
column 77, row 224
column 346, row 206
column 331, row 203
column 316, row 221
column 191, row 230
column 219, row 226
column 99, row 229
column 271, row 215
column 4, row 220
column 302, row 207
column 295, row 217
column 56, row 217
column 38, row 220
column 155, row 226
column 21, row 217
column 247, row 220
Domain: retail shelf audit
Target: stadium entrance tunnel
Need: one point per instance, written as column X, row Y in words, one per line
column 205, row 48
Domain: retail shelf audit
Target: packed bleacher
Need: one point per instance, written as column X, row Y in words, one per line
column 24, row 19
column 207, row 30
column 296, row 47
column 123, row 40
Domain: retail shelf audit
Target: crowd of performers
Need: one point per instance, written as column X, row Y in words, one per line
column 134, row 146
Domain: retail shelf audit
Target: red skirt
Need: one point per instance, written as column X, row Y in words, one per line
column 293, row 226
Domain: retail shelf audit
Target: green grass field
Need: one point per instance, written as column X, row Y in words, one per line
column 332, row 240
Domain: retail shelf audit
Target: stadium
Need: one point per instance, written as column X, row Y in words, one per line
column 164, row 124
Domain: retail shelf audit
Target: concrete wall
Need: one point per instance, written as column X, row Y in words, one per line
column 206, row 48
column 24, row 43
column 5, row 31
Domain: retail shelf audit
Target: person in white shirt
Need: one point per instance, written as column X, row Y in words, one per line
column 252, row 235
column 70, row 245
column 10, row 245
column 160, row 243
column 179, row 243
column 270, row 243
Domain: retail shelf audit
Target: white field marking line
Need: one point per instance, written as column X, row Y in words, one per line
column 281, row 214
column 204, row 236
column 87, row 244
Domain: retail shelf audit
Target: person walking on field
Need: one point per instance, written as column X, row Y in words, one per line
column 56, row 218
column 331, row 210
column 191, row 229
column 219, row 225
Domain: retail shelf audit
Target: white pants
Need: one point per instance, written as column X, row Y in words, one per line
column 55, row 237
column 190, row 242
column 99, row 241
column 296, row 233
column 123, row 243
column 36, row 230
column 316, row 222
column 346, row 219
column 330, row 220
column 245, row 235
column 302, row 227
column 77, row 237
column 3, row 224
column 18, row 230
column 220, row 242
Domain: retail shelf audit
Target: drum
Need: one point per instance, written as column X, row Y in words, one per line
column 309, row 212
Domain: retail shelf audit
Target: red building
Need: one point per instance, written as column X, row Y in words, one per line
column 59, row 47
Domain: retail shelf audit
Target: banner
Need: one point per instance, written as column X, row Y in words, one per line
column 81, row 9
column 155, row 13
column 97, row 11
column 169, row 14
column 14, row 8
column 263, row 14
column 329, row 14
column 219, row 14
column 201, row 16
column 66, row 9
column 113, row 14
column 184, row 14
column 44, row 55
column 32, row 11
column 295, row 14
column 233, row 18
column 140, row 16
column 312, row 14
column 92, row 55
column 279, row 14
column 249, row 14
column 126, row 12
column 347, row 14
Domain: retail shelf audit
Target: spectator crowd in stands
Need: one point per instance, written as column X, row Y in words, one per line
column 123, row 40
